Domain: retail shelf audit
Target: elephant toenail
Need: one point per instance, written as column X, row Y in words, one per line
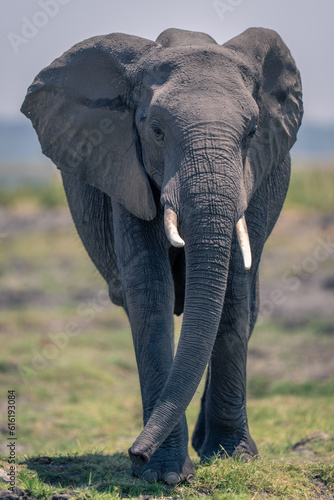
column 150, row 475
column 245, row 457
column 172, row 478
column 190, row 478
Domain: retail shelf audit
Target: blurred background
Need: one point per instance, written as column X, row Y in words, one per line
column 69, row 355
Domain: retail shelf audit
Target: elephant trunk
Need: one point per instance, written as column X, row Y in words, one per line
column 208, row 236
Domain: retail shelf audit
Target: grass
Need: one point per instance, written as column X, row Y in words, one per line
column 44, row 195
column 79, row 411
column 68, row 355
column 310, row 188
column 104, row 476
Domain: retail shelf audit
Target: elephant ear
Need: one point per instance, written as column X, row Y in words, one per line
column 79, row 107
column 270, row 73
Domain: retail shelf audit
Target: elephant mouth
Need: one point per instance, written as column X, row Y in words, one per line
column 172, row 233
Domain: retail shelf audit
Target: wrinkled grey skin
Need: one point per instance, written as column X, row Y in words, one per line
column 206, row 129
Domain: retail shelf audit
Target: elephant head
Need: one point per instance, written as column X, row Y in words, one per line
column 202, row 123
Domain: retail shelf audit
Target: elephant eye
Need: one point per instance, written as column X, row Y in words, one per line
column 159, row 134
column 252, row 132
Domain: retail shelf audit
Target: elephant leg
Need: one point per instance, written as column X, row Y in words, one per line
column 92, row 214
column 148, row 292
column 222, row 426
column 222, row 423
column 223, row 345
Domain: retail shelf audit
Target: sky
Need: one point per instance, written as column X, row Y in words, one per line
column 34, row 32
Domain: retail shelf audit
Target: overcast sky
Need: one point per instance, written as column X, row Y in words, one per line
column 34, row 32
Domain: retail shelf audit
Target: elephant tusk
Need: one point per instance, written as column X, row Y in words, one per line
column 243, row 240
column 170, row 220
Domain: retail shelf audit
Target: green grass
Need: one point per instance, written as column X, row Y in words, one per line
column 103, row 476
column 44, row 195
column 310, row 188
column 81, row 409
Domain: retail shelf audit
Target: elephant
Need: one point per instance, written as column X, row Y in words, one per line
column 175, row 160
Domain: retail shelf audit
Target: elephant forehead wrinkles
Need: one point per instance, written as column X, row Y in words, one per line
column 198, row 82
column 191, row 63
column 204, row 109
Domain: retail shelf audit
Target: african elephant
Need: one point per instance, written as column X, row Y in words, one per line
column 169, row 151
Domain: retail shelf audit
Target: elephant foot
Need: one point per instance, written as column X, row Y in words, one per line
column 246, row 450
column 170, row 463
column 237, row 444
column 170, row 471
